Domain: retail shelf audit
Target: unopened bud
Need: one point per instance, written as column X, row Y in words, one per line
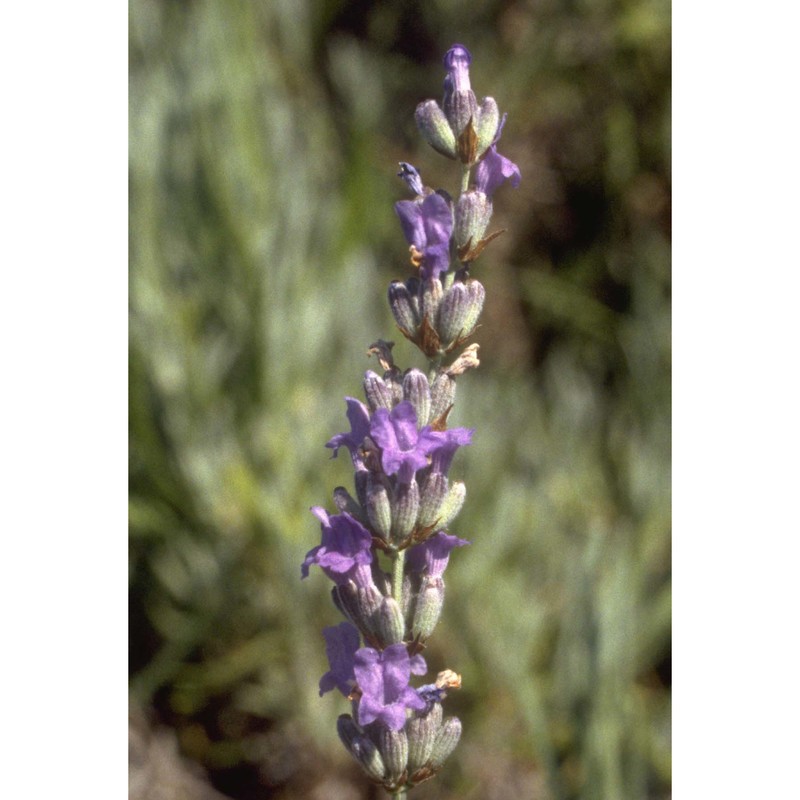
column 388, row 622
column 452, row 504
column 473, row 212
column 443, row 394
column 418, row 392
column 422, row 730
column 378, row 394
column 361, row 747
column 459, row 312
column 435, row 128
column 393, row 747
column 428, row 608
column 431, row 496
column 378, row 506
column 345, row 502
column 405, row 507
column 488, row 120
column 404, row 308
column 446, row 741
column 431, row 297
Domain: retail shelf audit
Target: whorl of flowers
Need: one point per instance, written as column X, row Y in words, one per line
column 401, row 450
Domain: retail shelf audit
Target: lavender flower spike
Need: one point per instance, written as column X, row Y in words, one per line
column 383, row 680
column 387, row 548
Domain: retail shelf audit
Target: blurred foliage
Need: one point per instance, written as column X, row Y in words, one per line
column 264, row 138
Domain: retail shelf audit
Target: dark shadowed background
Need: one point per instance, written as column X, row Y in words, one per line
column 264, row 141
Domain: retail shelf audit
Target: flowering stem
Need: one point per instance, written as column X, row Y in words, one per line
column 465, row 178
column 398, row 558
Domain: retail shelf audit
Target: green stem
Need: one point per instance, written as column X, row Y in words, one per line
column 398, row 558
column 400, row 794
column 465, row 178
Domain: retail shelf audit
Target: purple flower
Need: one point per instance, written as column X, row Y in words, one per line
column 341, row 644
column 427, row 225
column 358, row 415
column 345, row 553
column 404, row 449
column 432, row 555
column 383, row 679
column 451, row 440
column 493, row 170
column 457, row 60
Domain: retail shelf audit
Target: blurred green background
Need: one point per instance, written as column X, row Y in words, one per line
column 264, row 140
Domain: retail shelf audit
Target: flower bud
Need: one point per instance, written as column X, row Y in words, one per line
column 452, row 503
column 432, row 494
column 361, row 747
column 421, row 730
column 473, row 212
column 360, row 606
column 393, row 747
column 428, row 607
column 388, row 622
column 443, row 395
column 486, row 125
column 360, row 480
column 378, row 506
column 345, row 502
column 459, row 312
column 378, row 393
column 477, row 295
column 431, row 297
column 405, row 507
column 405, row 307
column 435, row 128
column 446, row 741
column 418, row 392
column 460, row 108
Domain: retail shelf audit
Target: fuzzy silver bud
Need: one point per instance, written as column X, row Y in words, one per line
column 443, row 394
column 405, row 507
column 435, row 128
column 361, row 747
column 417, row 391
column 393, row 747
column 446, row 741
column 452, row 503
column 377, row 392
column 421, row 730
column 388, row 622
column 488, row 121
column 432, row 293
column 473, row 212
column 404, row 307
column 428, row 608
column 459, row 312
column 431, row 496
column 378, row 506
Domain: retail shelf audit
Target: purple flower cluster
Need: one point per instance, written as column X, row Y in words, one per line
column 387, row 547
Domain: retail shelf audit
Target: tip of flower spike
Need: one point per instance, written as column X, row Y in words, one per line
column 457, row 53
